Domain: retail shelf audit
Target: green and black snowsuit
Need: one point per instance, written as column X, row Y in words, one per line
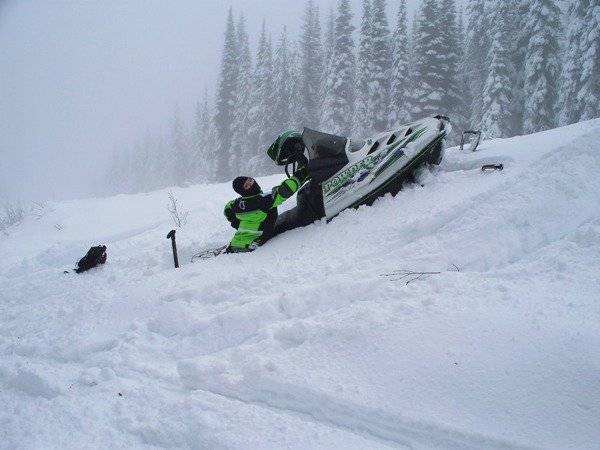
column 254, row 216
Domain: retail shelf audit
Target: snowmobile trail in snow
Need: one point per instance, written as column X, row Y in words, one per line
column 356, row 418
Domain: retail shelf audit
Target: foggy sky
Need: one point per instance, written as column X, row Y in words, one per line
column 78, row 78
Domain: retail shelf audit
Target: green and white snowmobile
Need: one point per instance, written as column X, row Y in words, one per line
column 346, row 173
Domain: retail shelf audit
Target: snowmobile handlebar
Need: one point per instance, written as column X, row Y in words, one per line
column 293, row 154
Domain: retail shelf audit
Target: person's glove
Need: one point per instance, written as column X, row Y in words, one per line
column 301, row 174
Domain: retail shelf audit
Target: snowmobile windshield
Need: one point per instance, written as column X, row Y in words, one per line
column 326, row 154
column 323, row 145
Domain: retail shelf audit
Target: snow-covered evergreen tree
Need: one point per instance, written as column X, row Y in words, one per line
column 225, row 102
column 296, row 86
column 362, row 120
column 497, row 117
column 412, row 98
column 452, row 100
column 339, row 87
column 261, row 131
column 400, row 80
column 381, row 57
column 312, row 66
column 570, row 109
column 282, row 108
column 430, row 69
column 240, row 151
column 476, row 48
column 204, row 159
column 589, row 95
column 328, row 64
column 519, row 43
column 541, row 66
column 462, row 118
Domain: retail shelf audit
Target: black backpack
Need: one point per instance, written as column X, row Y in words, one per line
column 94, row 256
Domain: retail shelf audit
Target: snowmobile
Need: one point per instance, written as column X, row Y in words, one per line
column 346, row 173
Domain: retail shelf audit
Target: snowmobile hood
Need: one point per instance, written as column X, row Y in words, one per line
column 380, row 164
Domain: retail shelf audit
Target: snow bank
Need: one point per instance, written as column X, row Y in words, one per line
column 317, row 340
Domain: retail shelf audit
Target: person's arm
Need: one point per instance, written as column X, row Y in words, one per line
column 286, row 189
column 230, row 215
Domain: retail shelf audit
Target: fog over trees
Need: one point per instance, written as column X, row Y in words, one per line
column 506, row 67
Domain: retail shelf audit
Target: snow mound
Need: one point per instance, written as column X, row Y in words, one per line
column 462, row 313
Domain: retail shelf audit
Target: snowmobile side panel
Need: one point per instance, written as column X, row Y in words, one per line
column 383, row 164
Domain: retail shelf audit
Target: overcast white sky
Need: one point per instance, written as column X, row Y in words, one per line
column 78, row 77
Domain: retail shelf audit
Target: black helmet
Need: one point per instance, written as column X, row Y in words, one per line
column 286, row 146
column 246, row 186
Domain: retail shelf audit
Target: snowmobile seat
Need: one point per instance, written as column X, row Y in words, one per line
column 323, row 168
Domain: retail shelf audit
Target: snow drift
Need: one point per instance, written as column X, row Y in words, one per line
column 317, row 340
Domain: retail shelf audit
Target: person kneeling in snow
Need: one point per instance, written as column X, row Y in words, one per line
column 253, row 214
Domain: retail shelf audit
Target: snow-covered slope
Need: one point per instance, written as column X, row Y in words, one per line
column 316, row 340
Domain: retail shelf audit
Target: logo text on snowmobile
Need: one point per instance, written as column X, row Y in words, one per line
column 339, row 180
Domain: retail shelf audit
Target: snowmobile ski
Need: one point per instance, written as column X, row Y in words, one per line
column 492, row 167
column 209, row 253
column 473, row 143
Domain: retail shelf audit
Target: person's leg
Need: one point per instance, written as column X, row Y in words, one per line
column 286, row 221
column 309, row 208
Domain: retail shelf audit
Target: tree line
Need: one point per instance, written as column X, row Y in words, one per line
column 506, row 67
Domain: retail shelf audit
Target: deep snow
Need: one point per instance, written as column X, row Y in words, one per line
column 306, row 343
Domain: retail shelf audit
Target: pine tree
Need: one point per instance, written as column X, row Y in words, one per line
column 400, row 84
column 589, row 95
column 430, row 70
column 339, row 105
column 328, row 66
column 362, row 121
column 477, row 46
column 412, row 78
column 312, row 66
column 541, row 66
column 282, row 84
column 261, row 131
column 519, row 43
column 452, row 101
column 570, row 111
column 461, row 119
column 497, row 115
column 240, row 151
column 381, row 57
column 296, row 86
column 204, row 154
column 226, row 96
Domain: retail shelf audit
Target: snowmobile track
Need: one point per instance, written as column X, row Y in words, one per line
column 358, row 419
